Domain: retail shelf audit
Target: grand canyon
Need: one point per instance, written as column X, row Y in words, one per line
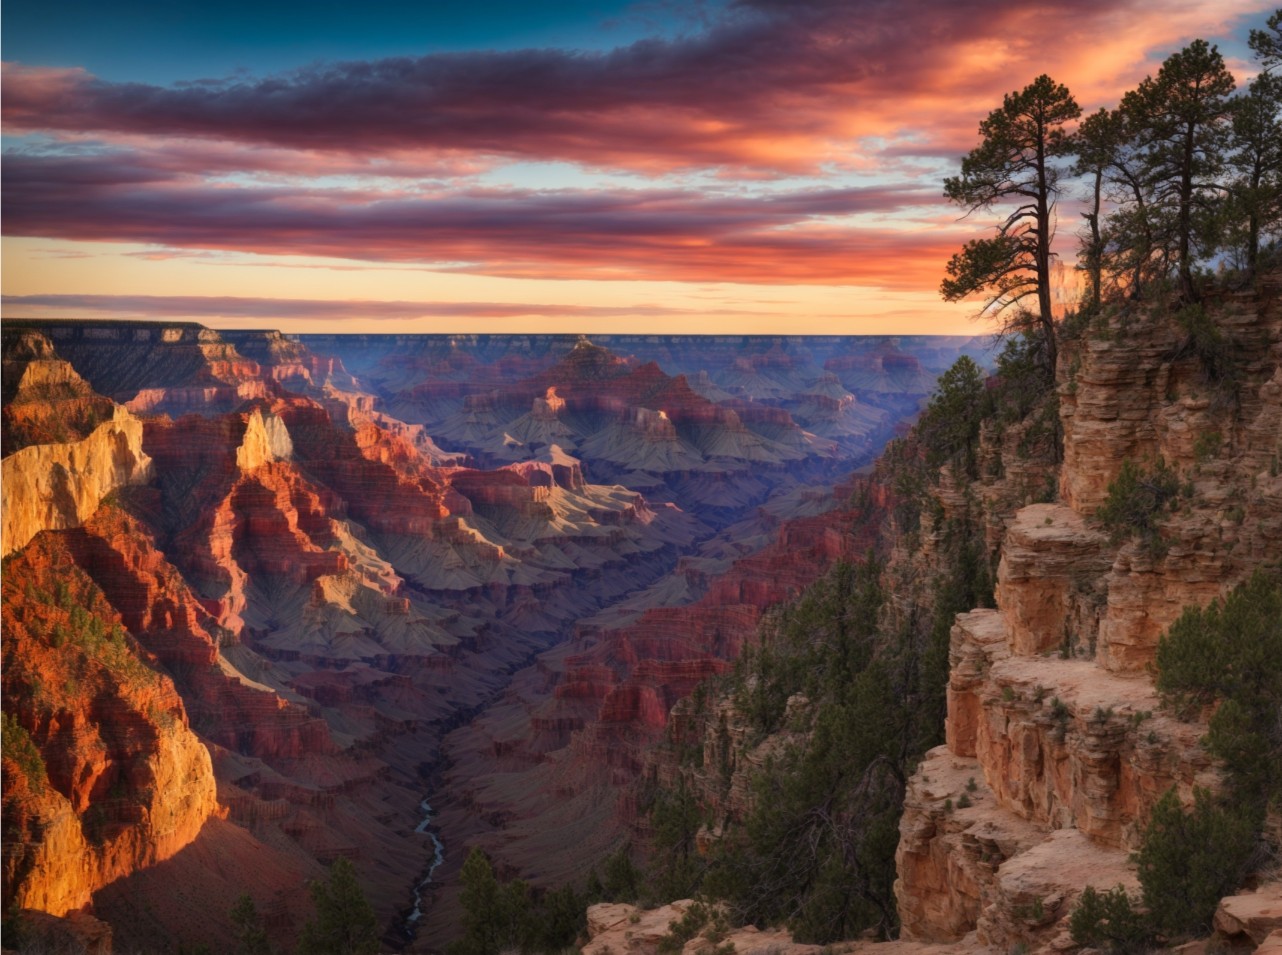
column 626, row 478
column 266, row 596
column 275, row 600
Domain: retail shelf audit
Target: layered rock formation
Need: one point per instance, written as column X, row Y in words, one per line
column 103, row 776
column 52, row 486
column 715, row 429
column 546, row 777
column 298, row 593
column 1057, row 745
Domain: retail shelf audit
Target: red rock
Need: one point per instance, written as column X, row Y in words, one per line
column 125, row 783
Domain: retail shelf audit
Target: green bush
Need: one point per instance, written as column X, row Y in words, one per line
column 1212, row 348
column 1230, row 652
column 1110, row 921
column 18, row 746
column 680, row 932
column 1190, row 860
column 1137, row 498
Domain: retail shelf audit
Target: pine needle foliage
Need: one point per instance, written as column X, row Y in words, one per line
column 344, row 923
column 1230, row 653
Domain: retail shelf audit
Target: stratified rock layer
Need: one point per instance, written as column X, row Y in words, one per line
column 116, row 780
column 1057, row 744
column 51, row 486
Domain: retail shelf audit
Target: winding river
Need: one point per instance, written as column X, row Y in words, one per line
column 438, row 857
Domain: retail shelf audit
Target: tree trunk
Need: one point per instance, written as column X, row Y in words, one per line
column 1046, row 317
column 1187, row 291
column 1096, row 261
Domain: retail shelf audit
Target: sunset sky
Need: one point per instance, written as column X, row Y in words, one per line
column 582, row 165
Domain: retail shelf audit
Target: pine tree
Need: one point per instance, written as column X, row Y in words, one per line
column 251, row 938
column 1181, row 119
column 1255, row 159
column 675, row 818
column 1014, row 163
column 485, row 928
column 1255, row 150
column 344, row 922
column 1190, row 860
column 1266, row 44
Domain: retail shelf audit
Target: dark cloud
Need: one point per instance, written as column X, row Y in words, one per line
column 766, row 77
column 643, row 233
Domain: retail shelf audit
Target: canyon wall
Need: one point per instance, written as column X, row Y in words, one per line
column 105, row 776
column 283, row 595
column 1057, row 744
column 53, row 486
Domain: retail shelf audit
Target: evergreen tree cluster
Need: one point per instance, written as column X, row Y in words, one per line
column 510, row 916
column 858, row 688
column 1184, row 173
column 1229, row 655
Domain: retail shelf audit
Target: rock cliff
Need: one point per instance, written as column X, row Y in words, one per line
column 1057, row 744
column 51, row 486
column 106, row 777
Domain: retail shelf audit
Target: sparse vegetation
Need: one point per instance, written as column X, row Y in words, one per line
column 18, row 746
column 1137, row 499
column 1110, row 921
column 1189, row 860
column 344, row 922
column 1230, row 653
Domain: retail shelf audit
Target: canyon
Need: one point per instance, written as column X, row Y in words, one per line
column 267, row 597
column 265, row 594
column 1056, row 744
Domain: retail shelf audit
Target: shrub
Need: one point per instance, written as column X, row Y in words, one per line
column 1207, row 445
column 1137, row 497
column 1190, row 860
column 680, row 932
column 1213, row 350
column 1109, row 920
column 18, row 746
column 1231, row 652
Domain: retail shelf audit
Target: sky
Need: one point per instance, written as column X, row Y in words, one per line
column 728, row 166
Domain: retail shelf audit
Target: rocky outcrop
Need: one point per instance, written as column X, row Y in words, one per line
column 617, row 928
column 51, row 486
column 1049, row 557
column 1057, row 744
column 628, row 929
column 170, row 367
column 45, row 400
column 113, row 779
column 1251, row 916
